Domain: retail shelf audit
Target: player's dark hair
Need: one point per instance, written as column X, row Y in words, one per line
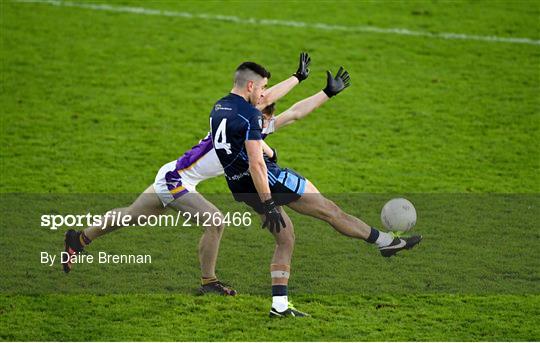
column 249, row 71
column 270, row 109
column 254, row 67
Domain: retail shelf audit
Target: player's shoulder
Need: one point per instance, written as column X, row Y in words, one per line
column 234, row 103
column 225, row 103
column 253, row 111
column 247, row 110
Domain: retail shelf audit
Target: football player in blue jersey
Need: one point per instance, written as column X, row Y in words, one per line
column 237, row 131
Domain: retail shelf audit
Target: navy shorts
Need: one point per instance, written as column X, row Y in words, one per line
column 285, row 184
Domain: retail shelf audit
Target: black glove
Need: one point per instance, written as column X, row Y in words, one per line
column 303, row 67
column 273, row 216
column 334, row 85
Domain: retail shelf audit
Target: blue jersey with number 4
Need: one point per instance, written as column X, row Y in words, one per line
column 233, row 120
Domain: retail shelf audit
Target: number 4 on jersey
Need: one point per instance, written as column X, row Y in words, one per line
column 220, row 138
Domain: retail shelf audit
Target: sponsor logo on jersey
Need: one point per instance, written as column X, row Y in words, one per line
column 219, row 107
column 238, row 176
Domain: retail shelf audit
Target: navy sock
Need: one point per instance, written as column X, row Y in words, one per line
column 373, row 235
column 279, row 290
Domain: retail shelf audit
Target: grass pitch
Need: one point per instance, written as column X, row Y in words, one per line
column 94, row 102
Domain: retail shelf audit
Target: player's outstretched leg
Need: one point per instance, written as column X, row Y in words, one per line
column 314, row 204
column 280, row 271
column 75, row 241
column 146, row 204
column 199, row 207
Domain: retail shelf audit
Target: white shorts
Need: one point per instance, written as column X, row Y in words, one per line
column 170, row 185
column 179, row 177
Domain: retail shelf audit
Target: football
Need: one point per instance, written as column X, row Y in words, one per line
column 398, row 215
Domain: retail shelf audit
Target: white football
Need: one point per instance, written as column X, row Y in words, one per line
column 398, row 215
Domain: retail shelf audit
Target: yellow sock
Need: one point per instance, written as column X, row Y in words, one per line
column 207, row 280
column 84, row 240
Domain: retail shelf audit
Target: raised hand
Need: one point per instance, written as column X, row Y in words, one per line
column 334, row 85
column 303, row 67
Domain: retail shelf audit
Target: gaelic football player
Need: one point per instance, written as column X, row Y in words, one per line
column 236, row 129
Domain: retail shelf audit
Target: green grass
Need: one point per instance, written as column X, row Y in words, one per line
column 423, row 115
column 94, row 102
column 474, row 244
column 346, row 318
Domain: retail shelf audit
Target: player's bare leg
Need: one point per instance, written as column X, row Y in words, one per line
column 313, row 203
column 197, row 206
column 280, row 270
column 284, row 241
column 146, row 204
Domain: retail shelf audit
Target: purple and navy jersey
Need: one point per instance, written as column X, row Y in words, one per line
column 233, row 120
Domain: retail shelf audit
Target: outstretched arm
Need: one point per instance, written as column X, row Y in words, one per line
column 278, row 91
column 334, row 85
column 301, row 109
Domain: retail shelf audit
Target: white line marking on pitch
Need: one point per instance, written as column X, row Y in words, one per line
column 277, row 22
